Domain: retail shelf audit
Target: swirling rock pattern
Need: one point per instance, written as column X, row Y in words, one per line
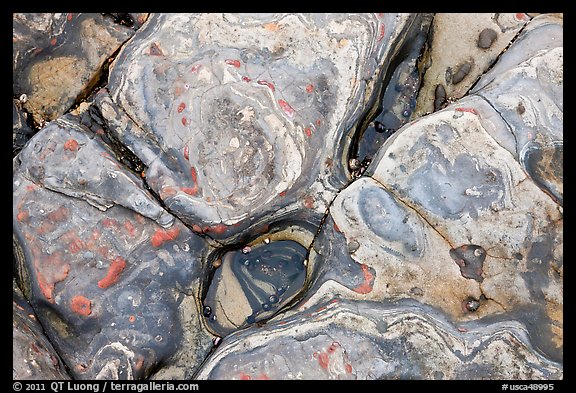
column 248, row 115
column 159, row 226
column 345, row 339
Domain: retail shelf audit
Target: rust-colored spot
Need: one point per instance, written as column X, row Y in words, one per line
column 139, row 363
column 59, row 214
column 109, row 223
column 186, row 153
column 76, row 245
column 271, row 26
column 266, row 83
column 167, row 192
column 162, row 235
column 178, row 91
column 81, row 305
column 71, row 144
column 336, row 228
column 244, row 377
column 309, row 201
column 196, row 228
column 195, row 67
column 132, row 319
column 282, row 194
column 69, row 16
column 246, row 79
column 53, row 41
column 116, row 267
column 348, row 368
column 323, row 359
column 233, row 62
column 22, row 216
column 382, row 32
column 286, row 107
column 308, row 131
column 318, row 122
column 190, row 190
column 155, row 50
column 130, row 228
column 310, row 88
column 181, row 107
column 218, row 229
column 469, row 110
column 521, row 16
column 366, row 286
column 184, row 121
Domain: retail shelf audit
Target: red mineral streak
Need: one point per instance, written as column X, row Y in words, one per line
column 323, row 359
column 218, row 229
column 266, row 83
column 116, row 267
column 348, row 368
column 246, row 79
column 521, row 16
column 235, row 63
column 318, row 122
column 195, row 67
column 167, row 192
column 310, row 88
column 382, row 32
column 22, row 216
column 308, row 132
column 81, row 305
column 130, row 228
column 132, row 319
column 286, row 107
column 244, row 377
column 162, row 235
column 53, row 41
column 469, row 110
column 336, row 228
column 76, row 245
column 193, row 174
column 109, row 223
column 59, row 214
column 196, row 228
column 181, row 107
column 366, row 286
column 71, row 145
column 50, row 269
column 192, row 191
column 309, row 202
column 184, row 121
column 186, row 153
column 282, row 194
column 69, row 16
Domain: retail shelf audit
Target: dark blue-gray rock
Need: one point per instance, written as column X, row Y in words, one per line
column 33, row 356
column 113, row 289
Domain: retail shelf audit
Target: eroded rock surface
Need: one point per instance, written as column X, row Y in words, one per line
column 173, row 196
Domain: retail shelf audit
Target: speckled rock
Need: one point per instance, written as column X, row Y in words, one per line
column 464, row 46
column 33, row 356
column 58, row 58
column 107, row 282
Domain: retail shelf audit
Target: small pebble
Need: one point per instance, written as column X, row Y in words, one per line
column 461, row 73
column 486, row 38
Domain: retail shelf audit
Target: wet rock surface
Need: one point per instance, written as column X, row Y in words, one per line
column 261, row 196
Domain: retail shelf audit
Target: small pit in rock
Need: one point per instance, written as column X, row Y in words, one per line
column 251, row 284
